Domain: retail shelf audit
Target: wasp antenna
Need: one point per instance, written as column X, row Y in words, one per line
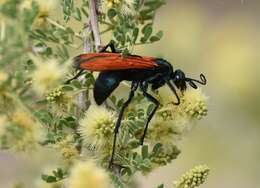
column 192, row 84
column 174, row 91
column 202, row 81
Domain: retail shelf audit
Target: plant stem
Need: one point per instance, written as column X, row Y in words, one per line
column 94, row 23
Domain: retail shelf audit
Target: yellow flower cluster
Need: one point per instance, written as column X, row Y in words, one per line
column 111, row 3
column 166, row 155
column 87, row 174
column 55, row 95
column 97, row 126
column 61, row 102
column 193, row 178
column 126, row 7
column 47, row 76
column 45, row 7
column 30, row 133
column 171, row 122
column 193, row 103
column 23, row 120
column 161, row 131
column 68, row 150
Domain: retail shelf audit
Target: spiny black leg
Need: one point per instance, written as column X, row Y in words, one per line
column 111, row 45
column 75, row 77
column 118, row 123
column 155, row 101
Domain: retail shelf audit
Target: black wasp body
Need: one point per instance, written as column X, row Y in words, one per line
column 141, row 71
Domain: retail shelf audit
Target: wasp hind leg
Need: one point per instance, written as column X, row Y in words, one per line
column 118, row 123
column 109, row 45
column 153, row 100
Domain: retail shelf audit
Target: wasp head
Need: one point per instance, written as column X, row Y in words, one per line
column 181, row 81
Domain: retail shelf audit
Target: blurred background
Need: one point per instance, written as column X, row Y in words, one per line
column 221, row 39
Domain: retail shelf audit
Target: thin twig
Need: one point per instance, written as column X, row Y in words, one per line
column 86, row 39
column 106, row 30
column 94, row 23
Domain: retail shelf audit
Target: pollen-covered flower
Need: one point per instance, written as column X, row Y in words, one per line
column 22, row 133
column 125, row 7
column 128, row 7
column 60, row 99
column 23, row 120
column 55, row 96
column 193, row 102
column 45, row 8
column 193, row 178
column 88, row 175
column 161, row 131
column 166, row 155
column 68, row 150
column 97, row 126
column 111, row 3
column 47, row 76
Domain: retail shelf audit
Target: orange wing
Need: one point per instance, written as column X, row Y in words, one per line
column 113, row 61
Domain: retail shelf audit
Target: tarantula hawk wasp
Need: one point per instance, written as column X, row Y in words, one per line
column 141, row 71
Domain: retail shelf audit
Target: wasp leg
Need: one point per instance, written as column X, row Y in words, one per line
column 155, row 101
column 109, row 45
column 118, row 123
column 75, row 77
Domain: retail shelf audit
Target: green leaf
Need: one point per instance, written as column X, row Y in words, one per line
column 147, row 31
column 67, row 88
column 135, row 34
column 161, row 186
column 156, row 37
column 111, row 13
column 147, row 28
column 77, row 14
column 157, row 148
column 146, row 163
column 145, row 153
column 48, row 179
column 120, row 103
column 76, row 83
column 134, row 144
column 84, row 11
column 44, row 116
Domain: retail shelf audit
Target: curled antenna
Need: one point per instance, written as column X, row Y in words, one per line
column 202, row 81
column 174, row 91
